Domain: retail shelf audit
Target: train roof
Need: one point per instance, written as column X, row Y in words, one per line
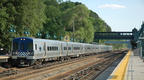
column 35, row 39
column 48, row 40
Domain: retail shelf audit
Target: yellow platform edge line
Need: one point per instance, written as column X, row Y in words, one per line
column 120, row 71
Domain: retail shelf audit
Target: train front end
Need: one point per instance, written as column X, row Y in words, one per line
column 22, row 51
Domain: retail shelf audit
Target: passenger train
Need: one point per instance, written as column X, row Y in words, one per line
column 31, row 51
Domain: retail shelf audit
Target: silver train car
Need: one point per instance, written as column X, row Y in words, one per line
column 31, row 51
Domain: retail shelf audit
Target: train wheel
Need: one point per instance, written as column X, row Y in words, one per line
column 7, row 65
column 62, row 59
column 69, row 58
column 39, row 62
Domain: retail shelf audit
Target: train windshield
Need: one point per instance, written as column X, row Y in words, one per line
column 15, row 46
column 30, row 46
column 23, row 46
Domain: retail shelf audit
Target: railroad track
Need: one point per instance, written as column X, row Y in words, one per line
column 60, row 71
column 9, row 71
column 63, row 70
column 81, row 72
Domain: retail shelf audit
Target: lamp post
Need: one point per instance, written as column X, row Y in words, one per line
column 73, row 30
column 55, row 36
column 26, row 32
column 61, row 37
column 47, row 35
column 12, row 30
column 71, row 40
column 39, row 34
column 81, row 41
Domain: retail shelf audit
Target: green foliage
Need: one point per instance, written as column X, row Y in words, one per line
column 78, row 18
column 66, row 5
column 22, row 14
column 53, row 21
column 54, row 17
column 31, row 16
column 99, row 24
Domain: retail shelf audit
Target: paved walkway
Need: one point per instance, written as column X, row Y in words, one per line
column 135, row 69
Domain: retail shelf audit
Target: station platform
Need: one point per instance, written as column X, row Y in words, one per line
column 4, row 58
column 135, row 68
column 130, row 68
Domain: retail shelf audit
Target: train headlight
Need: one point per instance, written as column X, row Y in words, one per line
column 28, row 52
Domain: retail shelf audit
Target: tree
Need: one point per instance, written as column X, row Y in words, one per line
column 21, row 14
column 66, row 5
column 53, row 2
column 31, row 16
column 99, row 24
column 7, row 14
column 53, row 23
column 78, row 18
column 54, row 17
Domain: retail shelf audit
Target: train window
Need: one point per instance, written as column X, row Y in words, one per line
column 40, row 48
column 22, row 46
column 15, row 46
column 65, row 48
column 54, row 48
column 30, row 46
column 88, row 47
column 76, row 48
column 47, row 48
column 50, row 48
column 35, row 46
column 69, row 48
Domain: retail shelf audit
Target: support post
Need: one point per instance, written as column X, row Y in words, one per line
column 139, row 48
column 142, row 55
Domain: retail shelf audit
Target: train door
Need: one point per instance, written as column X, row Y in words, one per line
column 61, row 51
column 44, row 47
column 72, row 49
column 81, row 49
column 67, row 48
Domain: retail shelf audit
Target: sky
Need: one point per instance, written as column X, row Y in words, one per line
column 120, row 15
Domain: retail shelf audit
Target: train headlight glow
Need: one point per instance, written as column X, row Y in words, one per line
column 28, row 52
